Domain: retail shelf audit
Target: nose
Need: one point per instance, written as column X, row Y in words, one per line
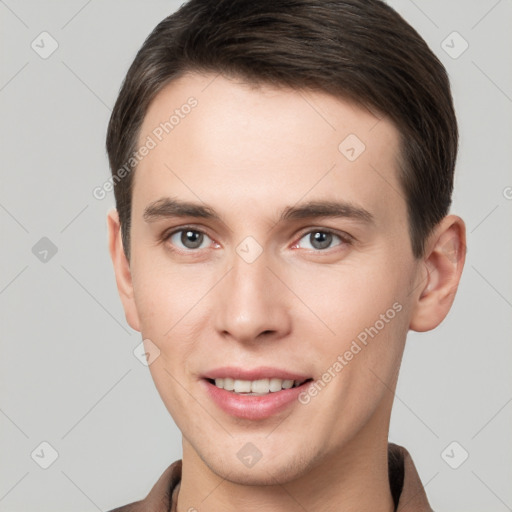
column 252, row 303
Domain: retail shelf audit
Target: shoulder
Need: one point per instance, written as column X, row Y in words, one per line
column 406, row 487
column 160, row 497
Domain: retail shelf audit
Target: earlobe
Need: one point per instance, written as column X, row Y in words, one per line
column 443, row 263
column 122, row 270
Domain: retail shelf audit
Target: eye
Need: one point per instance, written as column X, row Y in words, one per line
column 319, row 240
column 189, row 239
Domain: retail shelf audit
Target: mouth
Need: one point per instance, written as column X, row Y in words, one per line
column 254, row 394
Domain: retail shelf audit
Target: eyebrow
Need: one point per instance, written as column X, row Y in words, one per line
column 169, row 207
column 313, row 209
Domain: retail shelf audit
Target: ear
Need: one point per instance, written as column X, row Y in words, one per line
column 122, row 270
column 442, row 267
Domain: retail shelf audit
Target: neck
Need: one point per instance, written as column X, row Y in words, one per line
column 351, row 479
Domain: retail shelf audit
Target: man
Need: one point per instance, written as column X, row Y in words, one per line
column 283, row 172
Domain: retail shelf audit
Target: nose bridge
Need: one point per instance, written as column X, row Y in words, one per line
column 250, row 281
column 250, row 302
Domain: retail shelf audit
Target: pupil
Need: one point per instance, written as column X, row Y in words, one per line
column 191, row 239
column 320, row 240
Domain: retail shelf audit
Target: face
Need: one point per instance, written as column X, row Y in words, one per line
column 270, row 256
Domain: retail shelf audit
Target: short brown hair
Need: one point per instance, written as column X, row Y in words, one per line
column 359, row 50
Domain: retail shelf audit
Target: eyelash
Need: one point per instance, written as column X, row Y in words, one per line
column 345, row 238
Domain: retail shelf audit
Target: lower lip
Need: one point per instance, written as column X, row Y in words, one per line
column 253, row 407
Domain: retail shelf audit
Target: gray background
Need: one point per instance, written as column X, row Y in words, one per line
column 67, row 369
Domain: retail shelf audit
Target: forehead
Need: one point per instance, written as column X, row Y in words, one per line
column 227, row 140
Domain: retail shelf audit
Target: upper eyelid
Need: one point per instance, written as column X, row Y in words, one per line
column 341, row 234
column 172, row 231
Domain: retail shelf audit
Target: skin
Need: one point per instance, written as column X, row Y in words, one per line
column 248, row 153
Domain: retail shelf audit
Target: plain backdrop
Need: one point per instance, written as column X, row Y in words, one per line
column 68, row 375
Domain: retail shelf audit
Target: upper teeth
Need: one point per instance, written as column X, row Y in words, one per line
column 261, row 386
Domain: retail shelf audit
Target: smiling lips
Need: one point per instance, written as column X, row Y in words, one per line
column 254, row 394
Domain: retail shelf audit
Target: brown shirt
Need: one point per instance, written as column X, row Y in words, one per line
column 405, row 484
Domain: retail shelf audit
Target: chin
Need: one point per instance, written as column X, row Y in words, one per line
column 273, row 471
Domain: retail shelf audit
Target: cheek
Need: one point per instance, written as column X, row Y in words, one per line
column 351, row 297
column 175, row 306
column 358, row 363
column 168, row 303
column 366, row 312
column 166, row 295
